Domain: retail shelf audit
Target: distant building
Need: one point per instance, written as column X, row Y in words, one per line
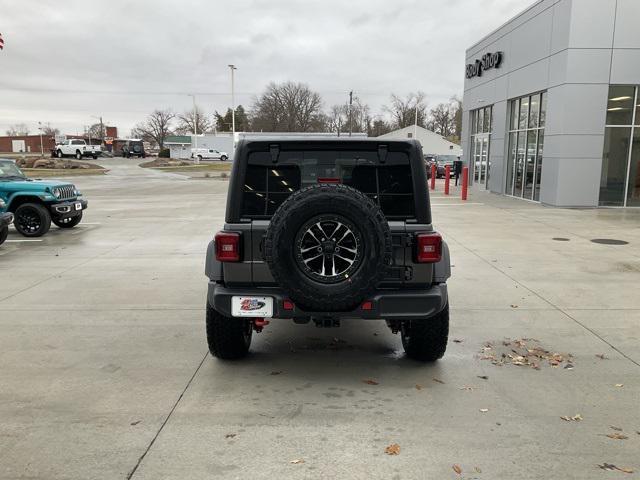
column 431, row 142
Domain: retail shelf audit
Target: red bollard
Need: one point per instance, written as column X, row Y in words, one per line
column 447, row 179
column 433, row 176
column 465, row 182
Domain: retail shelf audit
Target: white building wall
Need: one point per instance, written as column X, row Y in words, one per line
column 573, row 49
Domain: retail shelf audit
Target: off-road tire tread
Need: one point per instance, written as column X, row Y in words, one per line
column 77, row 219
column 44, row 214
column 313, row 299
column 429, row 337
column 225, row 336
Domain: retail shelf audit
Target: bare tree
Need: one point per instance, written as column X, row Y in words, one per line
column 442, row 118
column 340, row 121
column 193, row 119
column 288, row 107
column 155, row 128
column 18, row 130
column 378, row 127
column 403, row 110
column 49, row 131
column 96, row 131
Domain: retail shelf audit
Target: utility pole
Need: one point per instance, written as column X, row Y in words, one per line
column 350, row 110
column 233, row 101
column 41, row 145
column 415, row 125
column 195, row 128
column 101, row 131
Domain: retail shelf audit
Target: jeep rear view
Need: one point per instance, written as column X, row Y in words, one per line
column 328, row 231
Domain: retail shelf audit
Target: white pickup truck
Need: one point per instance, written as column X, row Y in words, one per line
column 77, row 148
column 208, row 154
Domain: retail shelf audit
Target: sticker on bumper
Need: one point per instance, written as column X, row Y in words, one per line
column 252, row 307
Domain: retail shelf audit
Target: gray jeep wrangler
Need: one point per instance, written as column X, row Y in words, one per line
column 328, row 230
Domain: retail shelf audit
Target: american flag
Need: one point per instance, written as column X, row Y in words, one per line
column 1, row 42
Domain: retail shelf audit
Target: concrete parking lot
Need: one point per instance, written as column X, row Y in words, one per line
column 104, row 371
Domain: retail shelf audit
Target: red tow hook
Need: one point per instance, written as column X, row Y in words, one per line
column 259, row 324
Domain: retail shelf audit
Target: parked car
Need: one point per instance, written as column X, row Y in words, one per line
column 442, row 161
column 133, row 148
column 209, row 154
column 328, row 231
column 5, row 220
column 76, row 148
column 36, row 203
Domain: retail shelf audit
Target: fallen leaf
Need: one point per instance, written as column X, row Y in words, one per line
column 457, row 340
column 577, row 418
column 568, row 366
column 278, row 372
column 230, row 435
column 135, row 423
column 613, row 427
column 619, row 385
column 617, row 436
column 610, row 466
column 457, row 469
column 418, row 386
column 466, row 387
column 514, row 306
column 438, row 381
column 297, row 461
column 602, row 356
column 370, row 382
column 565, row 418
column 484, row 410
column 393, row 449
column 483, row 377
column 477, row 469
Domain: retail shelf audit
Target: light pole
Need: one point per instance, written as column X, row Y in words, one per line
column 350, row 109
column 41, row 145
column 415, row 124
column 233, row 101
column 195, row 127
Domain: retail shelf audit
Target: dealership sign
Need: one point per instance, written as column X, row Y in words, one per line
column 488, row 61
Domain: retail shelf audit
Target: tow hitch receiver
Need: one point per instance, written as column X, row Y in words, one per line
column 259, row 324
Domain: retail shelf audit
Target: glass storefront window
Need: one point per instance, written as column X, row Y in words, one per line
column 614, row 166
column 633, row 190
column 620, row 105
column 620, row 178
column 479, row 158
column 526, row 139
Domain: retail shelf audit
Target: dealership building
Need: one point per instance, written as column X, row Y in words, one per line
column 552, row 105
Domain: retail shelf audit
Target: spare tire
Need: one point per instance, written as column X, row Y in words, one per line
column 328, row 246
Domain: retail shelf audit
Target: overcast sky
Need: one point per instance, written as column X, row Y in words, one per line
column 69, row 60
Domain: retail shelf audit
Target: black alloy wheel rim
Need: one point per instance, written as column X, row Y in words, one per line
column 29, row 221
column 329, row 249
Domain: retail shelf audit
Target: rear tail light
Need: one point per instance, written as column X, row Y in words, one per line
column 227, row 246
column 428, row 247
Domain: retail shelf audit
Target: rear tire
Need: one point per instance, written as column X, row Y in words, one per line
column 229, row 338
column 199, row 158
column 78, row 155
column 59, row 154
column 68, row 222
column 426, row 340
column 3, row 234
column 224, row 158
column 32, row 220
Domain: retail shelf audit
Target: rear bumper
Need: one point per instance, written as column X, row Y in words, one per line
column 385, row 304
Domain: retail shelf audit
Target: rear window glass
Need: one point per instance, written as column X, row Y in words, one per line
column 389, row 185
